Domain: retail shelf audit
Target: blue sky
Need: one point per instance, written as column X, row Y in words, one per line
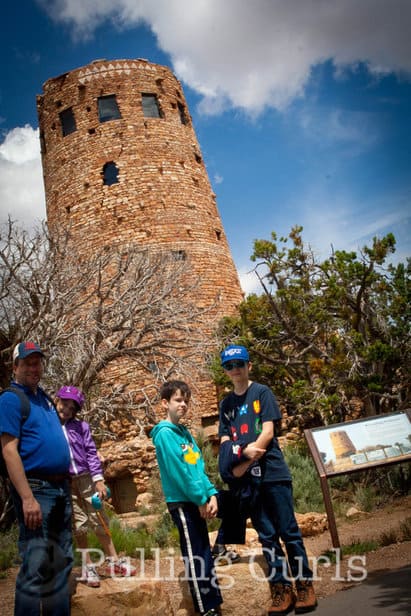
column 301, row 107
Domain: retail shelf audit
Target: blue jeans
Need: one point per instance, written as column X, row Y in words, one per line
column 273, row 518
column 42, row 584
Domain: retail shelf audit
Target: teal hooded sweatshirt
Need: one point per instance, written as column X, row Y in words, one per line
column 181, row 464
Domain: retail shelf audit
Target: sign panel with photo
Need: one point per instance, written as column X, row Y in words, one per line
column 353, row 445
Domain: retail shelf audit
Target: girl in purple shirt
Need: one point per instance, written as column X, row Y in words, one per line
column 87, row 479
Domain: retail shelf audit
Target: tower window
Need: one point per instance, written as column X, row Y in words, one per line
column 151, row 108
column 81, row 91
column 108, row 108
column 182, row 112
column 68, row 122
column 110, row 174
column 179, row 255
column 159, row 83
column 42, row 143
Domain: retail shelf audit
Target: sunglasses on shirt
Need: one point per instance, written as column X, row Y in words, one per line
column 236, row 363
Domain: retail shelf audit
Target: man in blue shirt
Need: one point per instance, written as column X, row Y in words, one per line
column 37, row 459
column 247, row 418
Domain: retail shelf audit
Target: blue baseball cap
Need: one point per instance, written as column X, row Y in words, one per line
column 24, row 349
column 234, row 351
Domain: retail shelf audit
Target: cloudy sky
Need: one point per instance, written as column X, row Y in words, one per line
column 301, row 107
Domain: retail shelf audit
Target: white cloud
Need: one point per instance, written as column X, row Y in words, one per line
column 349, row 226
column 248, row 280
column 345, row 226
column 355, row 128
column 259, row 54
column 21, row 181
column 21, row 145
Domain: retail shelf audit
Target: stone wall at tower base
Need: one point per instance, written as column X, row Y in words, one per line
column 128, row 468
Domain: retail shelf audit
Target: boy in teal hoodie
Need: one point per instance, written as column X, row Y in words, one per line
column 190, row 495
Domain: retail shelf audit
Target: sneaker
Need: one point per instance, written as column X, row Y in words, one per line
column 121, row 567
column 283, row 599
column 213, row 612
column 224, row 556
column 306, row 599
column 92, row 578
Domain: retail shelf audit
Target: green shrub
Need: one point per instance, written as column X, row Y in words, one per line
column 158, row 504
column 360, row 547
column 306, row 483
column 8, row 549
column 356, row 547
column 388, row 538
column 405, row 529
column 365, row 497
column 128, row 541
column 165, row 533
column 395, row 480
column 210, row 461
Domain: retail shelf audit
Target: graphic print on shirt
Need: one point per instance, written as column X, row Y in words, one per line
column 234, row 434
column 236, row 449
column 190, row 456
column 258, row 425
column 245, row 418
column 230, row 415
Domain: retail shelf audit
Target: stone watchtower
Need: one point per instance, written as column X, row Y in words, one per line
column 342, row 444
column 122, row 165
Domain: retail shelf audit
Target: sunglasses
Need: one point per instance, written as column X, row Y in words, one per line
column 236, row 363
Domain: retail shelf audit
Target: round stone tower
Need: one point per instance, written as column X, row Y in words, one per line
column 342, row 444
column 122, row 165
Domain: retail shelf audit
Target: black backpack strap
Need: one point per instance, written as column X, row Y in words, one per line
column 24, row 401
column 25, row 412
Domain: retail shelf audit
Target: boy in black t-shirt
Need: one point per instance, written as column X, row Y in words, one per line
column 247, row 417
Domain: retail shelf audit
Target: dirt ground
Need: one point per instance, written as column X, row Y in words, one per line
column 364, row 527
column 332, row 576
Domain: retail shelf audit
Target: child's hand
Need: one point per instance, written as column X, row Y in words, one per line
column 209, row 510
column 212, row 507
column 252, row 452
column 101, row 489
column 203, row 510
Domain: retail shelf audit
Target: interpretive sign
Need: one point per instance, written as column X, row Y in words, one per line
column 350, row 446
column 356, row 445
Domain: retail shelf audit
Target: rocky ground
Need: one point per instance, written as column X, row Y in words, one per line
column 150, row 593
